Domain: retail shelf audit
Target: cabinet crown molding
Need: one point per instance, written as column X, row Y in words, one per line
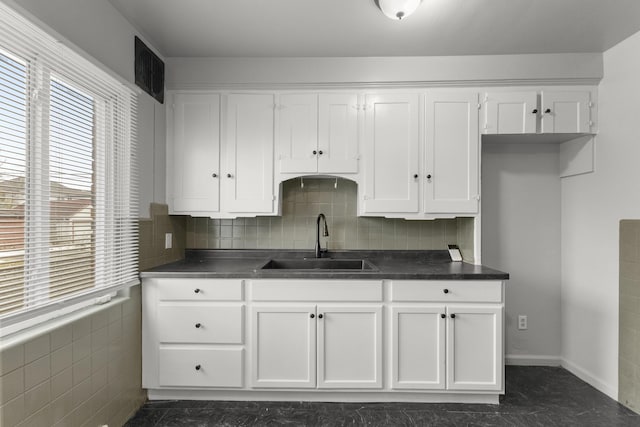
column 427, row 84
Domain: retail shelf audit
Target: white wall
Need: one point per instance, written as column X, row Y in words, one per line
column 187, row 73
column 521, row 235
column 98, row 29
column 592, row 206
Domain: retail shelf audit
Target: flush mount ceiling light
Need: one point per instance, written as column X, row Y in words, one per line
column 398, row 9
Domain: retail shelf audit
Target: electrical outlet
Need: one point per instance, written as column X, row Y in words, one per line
column 522, row 322
column 168, row 240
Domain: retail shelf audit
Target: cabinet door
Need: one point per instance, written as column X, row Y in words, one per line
column 338, row 133
column 283, row 345
column 565, row 112
column 418, row 340
column 474, row 348
column 349, row 347
column 248, row 172
column 297, row 136
column 451, row 175
column 392, row 153
column 193, row 153
column 510, row 112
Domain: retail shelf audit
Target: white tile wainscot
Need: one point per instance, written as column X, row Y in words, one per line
column 323, row 339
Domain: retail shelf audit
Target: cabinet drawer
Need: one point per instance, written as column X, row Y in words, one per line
column 446, row 291
column 200, row 323
column 182, row 367
column 199, row 289
column 316, row 290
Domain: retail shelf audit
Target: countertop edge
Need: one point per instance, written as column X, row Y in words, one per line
column 327, row 276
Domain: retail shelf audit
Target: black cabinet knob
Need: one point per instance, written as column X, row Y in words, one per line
column 312, row 315
column 229, row 175
column 547, row 111
column 320, row 316
column 214, row 175
column 415, row 175
column 320, row 152
column 446, row 291
column 535, row 111
column 443, row 315
column 198, row 367
column 453, row 316
column 315, row 152
column 429, row 176
column 198, row 325
column 196, row 290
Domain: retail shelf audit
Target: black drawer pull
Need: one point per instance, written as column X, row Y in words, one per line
column 446, row 291
column 320, row 316
column 312, row 315
column 198, row 325
column 443, row 315
column 453, row 316
column 198, row 367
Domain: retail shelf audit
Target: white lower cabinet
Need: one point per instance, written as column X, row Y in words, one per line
column 368, row 340
column 308, row 346
column 418, row 340
column 447, row 335
column 437, row 347
column 192, row 333
column 474, row 348
column 283, row 346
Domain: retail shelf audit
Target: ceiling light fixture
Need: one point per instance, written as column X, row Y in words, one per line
column 398, row 9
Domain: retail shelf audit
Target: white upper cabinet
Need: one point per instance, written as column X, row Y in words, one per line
column 392, row 147
column 193, row 152
column 452, row 143
column 228, row 153
column 317, row 133
column 338, row 133
column 510, row 112
column 248, row 147
column 531, row 112
column 297, row 136
column 565, row 112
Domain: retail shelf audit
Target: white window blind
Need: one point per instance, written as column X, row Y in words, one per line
column 68, row 214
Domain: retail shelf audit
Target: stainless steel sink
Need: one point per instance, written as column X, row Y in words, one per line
column 328, row 264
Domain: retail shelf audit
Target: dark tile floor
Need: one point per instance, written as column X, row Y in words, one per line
column 535, row 396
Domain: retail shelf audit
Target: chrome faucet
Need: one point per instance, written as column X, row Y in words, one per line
column 325, row 233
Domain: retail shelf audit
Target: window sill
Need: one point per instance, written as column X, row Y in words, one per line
column 26, row 334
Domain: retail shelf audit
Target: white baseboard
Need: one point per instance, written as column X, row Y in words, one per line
column 589, row 378
column 532, row 360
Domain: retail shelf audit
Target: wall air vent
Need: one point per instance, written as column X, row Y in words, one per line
column 149, row 71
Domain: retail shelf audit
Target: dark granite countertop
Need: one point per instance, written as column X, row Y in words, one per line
column 389, row 264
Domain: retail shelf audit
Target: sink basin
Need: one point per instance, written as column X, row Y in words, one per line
column 329, row 264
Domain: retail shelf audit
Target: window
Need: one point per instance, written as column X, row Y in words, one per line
column 68, row 226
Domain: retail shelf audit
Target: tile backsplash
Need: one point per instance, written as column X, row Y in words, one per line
column 629, row 328
column 152, row 237
column 296, row 227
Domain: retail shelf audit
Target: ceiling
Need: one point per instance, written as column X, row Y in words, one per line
column 326, row 28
